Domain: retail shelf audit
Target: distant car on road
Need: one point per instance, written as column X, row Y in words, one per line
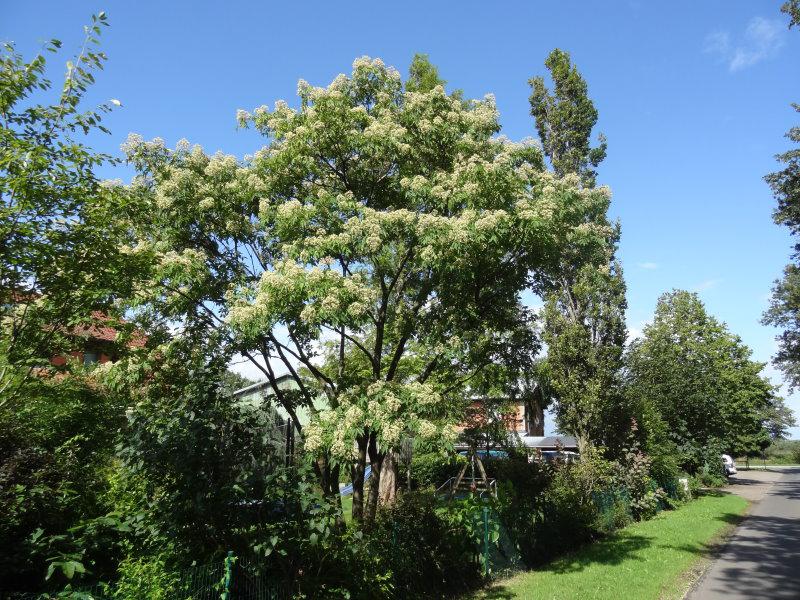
column 728, row 465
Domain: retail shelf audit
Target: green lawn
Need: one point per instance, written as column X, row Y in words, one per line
column 347, row 507
column 648, row 560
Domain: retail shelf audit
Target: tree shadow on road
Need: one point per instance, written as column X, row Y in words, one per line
column 762, row 560
column 762, row 557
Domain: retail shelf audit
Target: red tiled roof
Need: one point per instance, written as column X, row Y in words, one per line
column 102, row 332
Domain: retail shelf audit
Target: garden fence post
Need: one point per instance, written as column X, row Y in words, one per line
column 485, row 541
column 226, row 594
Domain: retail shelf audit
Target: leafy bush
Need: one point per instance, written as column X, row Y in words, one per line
column 428, row 549
column 56, row 444
column 529, row 479
column 198, row 463
column 620, row 513
column 568, row 519
column 143, row 578
column 432, row 469
column 634, row 474
column 664, row 469
column 302, row 540
column 554, row 509
column 521, row 486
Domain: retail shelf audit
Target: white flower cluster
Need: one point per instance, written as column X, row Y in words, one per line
column 313, row 437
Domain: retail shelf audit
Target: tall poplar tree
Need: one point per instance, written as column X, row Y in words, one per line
column 565, row 118
column 584, row 289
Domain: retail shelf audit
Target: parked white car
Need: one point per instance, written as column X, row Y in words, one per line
column 728, row 465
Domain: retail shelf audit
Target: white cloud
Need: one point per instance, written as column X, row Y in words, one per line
column 647, row 266
column 718, row 42
column 762, row 39
column 706, row 285
column 636, row 331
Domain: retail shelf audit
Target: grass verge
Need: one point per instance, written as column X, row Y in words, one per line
column 656, row 559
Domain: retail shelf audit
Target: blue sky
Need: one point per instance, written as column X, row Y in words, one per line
column 693, row 98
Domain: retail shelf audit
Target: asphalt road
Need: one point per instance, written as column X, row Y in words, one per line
column 762, row 559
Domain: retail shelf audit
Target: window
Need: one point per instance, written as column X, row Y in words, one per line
column 89, row 358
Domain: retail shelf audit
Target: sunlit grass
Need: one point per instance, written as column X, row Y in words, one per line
column 648, row 560
column 347, row 508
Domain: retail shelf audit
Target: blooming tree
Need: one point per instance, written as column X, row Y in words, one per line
column 375, row 250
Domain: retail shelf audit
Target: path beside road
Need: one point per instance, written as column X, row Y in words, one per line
column 762, row 558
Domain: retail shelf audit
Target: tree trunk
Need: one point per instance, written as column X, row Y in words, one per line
column 535, row 425
column 358, row 479
column 333, row 483
column 323, row 472
column 376, row 462
column 584, row 444
column 389, row 479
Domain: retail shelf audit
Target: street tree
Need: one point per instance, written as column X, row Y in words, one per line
column 696, row 384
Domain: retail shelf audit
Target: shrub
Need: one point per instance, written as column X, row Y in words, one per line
column 56, row 442
column 634, row 474
column 567, row 514
column 614, row 509
column 665, row 471
column 529, row 479
column 428, row 549
column 300, row 540
column 432, row 469
column 145, row 579
column 567, row 520
column 521, row 486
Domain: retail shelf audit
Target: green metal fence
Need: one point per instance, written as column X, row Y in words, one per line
column 498, row 554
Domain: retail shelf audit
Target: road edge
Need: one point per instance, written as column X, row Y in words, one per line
column 698, row 570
